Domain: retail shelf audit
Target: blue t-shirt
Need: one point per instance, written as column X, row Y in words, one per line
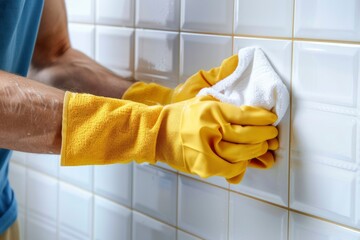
column 19, row 23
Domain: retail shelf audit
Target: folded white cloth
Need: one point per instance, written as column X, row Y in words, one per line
column 254, row 82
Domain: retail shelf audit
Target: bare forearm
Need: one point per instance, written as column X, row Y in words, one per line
column 31, row 115
column 74, row 71
column 57, row 64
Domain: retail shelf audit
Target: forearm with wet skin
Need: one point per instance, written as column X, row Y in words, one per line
column 31, row 115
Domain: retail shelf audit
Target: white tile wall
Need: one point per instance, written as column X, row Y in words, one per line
column 48, row 164
column 312, row 44
column 157, row 56
column 155, row 192
column 148, row 228
column 111, row 221
column 79, row 176
column 202, row 51
column 114, row 49
column 194, row 204
column 303, row 227
column 213, row 16
column 81, row 11
column 82, row 38
column 159, row 14
column 111, row 12
column 334, row 20
column 253, row 220
column 114, row 182
column 264, row 17
column 75, row 212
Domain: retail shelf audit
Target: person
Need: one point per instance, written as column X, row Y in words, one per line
column 76, row 107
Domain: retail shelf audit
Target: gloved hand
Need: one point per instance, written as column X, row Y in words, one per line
column 199, row 136
column 152, row 93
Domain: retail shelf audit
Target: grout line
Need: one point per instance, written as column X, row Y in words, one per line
column 132, row 200
column 93, row 202
column 180, row 67
column 325, row 220
column 226, row 34
column 58, row 202
column 177, row 204
column 26, row 201
column 228, row 210
column 290, row 116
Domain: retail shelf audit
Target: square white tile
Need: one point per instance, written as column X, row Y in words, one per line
column 19, row 157
column 75, row 213
column 115, row 12
column 40, row 229
column 323, row 136
column 46, row 163
column 147, row 228
column 82, row 38
column 111, row 221
column 218, row 181
column 211, row 16
column 251, row 219
column 81, row 176
column 155, row 192
column 114, row 182
column 80, row 11
column 185, row 236
column 202, row 51
column 203, row 209
column 157, row 56
column 323, row 190
column 17, row 178
column 42, row 195
column 304, row 227
column 322, row 19
column 115, row 49
column 158, row 14
column 264, row 17
column 327, row 73
column 272, row 184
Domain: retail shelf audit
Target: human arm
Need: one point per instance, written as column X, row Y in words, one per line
column 57, row 64
column 31, row 115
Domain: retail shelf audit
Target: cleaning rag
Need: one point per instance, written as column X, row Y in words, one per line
column 254, row 82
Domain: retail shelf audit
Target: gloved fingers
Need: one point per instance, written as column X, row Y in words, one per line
column 264, row 161
column 248, row 134
column 243, row 115
column 273, row 144
column 246, row 115
column 234, row 153
column 237, row 179
column 240, row 169
column 250, row 115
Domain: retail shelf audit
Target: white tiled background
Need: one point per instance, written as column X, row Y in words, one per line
column 312, row 193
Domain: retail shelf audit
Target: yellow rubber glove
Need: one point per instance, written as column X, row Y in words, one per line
column 152, row 93
column 198, row 136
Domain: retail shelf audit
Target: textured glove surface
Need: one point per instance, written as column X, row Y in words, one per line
column 200, row 136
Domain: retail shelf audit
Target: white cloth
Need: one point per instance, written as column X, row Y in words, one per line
column 254, row 82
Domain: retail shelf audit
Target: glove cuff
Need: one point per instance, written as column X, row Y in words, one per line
column 148, row 93
column 99, row 130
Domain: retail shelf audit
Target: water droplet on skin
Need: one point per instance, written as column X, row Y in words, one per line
column 28, row 134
